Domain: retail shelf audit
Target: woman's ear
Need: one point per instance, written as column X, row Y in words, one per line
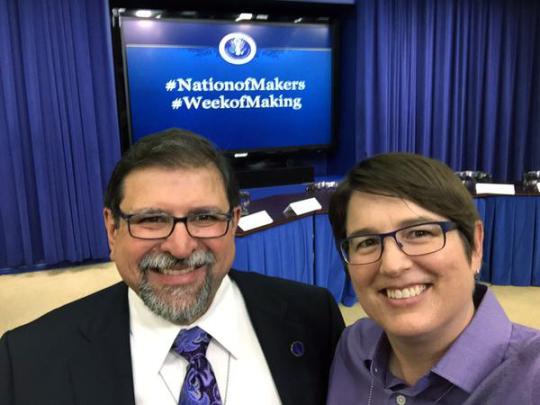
column 478, row 248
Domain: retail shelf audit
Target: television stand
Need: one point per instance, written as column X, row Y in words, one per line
column 270, row 174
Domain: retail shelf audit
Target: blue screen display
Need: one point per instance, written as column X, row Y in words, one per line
column 245, row 86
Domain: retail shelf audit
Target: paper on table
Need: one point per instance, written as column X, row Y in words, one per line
column 255, row 220
column 495, row 188
column 303, row 206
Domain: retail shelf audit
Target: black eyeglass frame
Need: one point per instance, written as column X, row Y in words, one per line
column 226, row 216
column 446, row 226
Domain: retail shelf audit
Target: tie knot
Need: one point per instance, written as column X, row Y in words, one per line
column 191, row 343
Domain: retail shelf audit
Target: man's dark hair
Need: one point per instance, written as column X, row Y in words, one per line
column 426, row 182
column 171, row 149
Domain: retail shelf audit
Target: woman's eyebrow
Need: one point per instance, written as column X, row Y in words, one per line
column 402, row 224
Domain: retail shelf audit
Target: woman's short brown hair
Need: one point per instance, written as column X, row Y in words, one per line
column 427, row 182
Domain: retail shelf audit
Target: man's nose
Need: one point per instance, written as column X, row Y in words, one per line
column 180, row 243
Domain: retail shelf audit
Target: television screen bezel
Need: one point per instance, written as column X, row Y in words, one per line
column 307, row 16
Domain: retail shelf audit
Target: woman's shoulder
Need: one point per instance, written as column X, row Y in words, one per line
column 361, row 336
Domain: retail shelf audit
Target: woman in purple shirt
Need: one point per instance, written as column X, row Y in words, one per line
column 411, row 237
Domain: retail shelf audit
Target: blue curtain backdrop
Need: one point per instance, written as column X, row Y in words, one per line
column 58, row 131
column 457, row 80
column 454, row 80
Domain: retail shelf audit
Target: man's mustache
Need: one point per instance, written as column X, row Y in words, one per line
column 163, row 261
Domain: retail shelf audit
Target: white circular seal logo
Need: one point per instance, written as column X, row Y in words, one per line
column 237, row 48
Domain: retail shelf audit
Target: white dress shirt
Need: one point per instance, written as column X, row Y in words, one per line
column 234, row 352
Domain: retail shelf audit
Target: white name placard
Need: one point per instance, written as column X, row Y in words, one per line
column 302, row 206
column 495, row 188
column 255, row 220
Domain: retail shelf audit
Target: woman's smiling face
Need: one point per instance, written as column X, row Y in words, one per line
column 438, row 286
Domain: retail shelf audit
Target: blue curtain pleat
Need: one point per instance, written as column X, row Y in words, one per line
column 453, row 80
column 489, row 242
column 59, row 131
column 511, row 240
column 523, row 246
column 502, row 246
column 536, row 247
column 18, row 203
column 329, row 267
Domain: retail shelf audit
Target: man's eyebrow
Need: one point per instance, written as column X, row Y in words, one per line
column 206, row 210
column 148, row 211
column 161, row 211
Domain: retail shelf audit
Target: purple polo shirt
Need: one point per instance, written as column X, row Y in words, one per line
column 493, row 361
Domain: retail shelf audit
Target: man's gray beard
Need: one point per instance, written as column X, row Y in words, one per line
column 178, row 304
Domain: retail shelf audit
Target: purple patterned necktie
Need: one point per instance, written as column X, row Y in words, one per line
column 200, row 386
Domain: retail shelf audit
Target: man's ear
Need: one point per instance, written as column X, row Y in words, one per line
column 236, row 217
column 111, row 228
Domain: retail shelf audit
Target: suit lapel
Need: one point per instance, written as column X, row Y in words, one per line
column 102, row 373
column 277, row 334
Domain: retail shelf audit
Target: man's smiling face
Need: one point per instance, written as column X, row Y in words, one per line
column 178, row 276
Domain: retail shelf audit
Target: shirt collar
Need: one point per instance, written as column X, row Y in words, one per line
column 480, row 347
column 157, row 334
column 223, row 320
column 150, row 333
column 474, row 354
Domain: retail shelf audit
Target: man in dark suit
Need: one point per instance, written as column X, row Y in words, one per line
column 183, row 327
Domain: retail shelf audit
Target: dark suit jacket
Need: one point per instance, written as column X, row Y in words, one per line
column 80, row 353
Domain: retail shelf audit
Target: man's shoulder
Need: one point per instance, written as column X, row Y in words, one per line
column 299, row 301
column 106, row 301
column 277, row 285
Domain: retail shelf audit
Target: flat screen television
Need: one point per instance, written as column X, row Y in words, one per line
column 248, row 82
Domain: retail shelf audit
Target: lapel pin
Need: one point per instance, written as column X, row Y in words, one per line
column 297, row 348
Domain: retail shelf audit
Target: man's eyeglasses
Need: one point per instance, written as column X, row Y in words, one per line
column 160, row 225
column 414, row 240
